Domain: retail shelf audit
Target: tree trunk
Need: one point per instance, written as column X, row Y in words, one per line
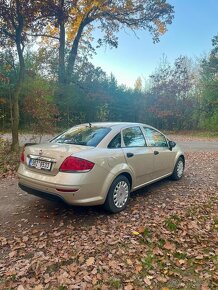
column 73, row 53
column 15, row 97
column 15, row 118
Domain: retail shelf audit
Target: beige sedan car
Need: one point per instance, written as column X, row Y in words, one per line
column 99, row 163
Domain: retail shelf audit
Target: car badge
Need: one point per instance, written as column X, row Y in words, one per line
column 40, row 153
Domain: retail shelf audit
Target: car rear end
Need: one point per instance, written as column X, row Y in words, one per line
column 58, row 170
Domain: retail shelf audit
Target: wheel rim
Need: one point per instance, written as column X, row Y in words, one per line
column 121, row 193
column 180, row 168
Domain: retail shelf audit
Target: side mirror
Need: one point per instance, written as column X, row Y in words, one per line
column 172, row 144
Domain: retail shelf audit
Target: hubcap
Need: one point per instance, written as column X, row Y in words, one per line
column 180, row 168
column 121, row 193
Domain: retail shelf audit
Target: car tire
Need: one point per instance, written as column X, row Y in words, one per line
column 118, row 195
column 178, row 169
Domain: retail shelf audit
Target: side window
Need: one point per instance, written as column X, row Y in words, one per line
column 133, row 137
column 115, row 142
column 154, row 138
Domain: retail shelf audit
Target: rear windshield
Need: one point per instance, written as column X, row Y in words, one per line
column 83, row 135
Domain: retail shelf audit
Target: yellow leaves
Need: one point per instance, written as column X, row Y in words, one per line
column 135, row 233
column 160, row 26
column 129, row 4
column 73, row 27
column 78, row 14
column 54, row 31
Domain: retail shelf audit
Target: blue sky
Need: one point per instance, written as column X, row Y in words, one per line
column 190, row 34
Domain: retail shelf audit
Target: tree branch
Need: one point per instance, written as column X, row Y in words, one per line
column 9, row 34
column 43, row 35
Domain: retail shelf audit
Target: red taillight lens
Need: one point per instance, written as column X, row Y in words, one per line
column 76, row 164
column 22, row 158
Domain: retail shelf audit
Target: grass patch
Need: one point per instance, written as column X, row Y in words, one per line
column 172, row 222
column 115, row 282
column 147, row 262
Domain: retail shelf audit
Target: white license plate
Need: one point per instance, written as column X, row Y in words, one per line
column 40, row 164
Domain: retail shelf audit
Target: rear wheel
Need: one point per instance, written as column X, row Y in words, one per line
column 118, row 195
column 178, row 169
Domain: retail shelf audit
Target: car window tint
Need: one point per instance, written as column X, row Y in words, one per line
column 133, row 137
column 154, row 138
column 83, row 135
column 115, row 142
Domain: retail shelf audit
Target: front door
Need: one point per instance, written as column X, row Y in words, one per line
column 163, row 157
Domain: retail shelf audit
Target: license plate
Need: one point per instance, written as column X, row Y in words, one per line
column 40, row 164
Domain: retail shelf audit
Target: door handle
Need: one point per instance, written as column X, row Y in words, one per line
column 129, row 155
column 156, row 152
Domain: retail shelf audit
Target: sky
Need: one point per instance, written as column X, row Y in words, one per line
column 195, row 23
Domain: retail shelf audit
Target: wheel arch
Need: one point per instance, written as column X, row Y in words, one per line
column 183, row 158
column 128, row 176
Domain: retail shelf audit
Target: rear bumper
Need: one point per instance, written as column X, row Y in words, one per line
column 89, row 190
column 82, row 197
column 41, row 194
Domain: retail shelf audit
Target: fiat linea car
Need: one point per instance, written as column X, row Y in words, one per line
column 99, row 163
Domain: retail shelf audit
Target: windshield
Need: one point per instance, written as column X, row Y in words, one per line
column 83, row 135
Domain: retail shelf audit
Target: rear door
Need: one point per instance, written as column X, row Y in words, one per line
column 138, row 156
column 163, row 157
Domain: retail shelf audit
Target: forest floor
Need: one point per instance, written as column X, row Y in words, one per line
column 167, row 238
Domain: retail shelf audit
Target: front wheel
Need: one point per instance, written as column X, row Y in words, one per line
column 118, row 195
column 178, row 169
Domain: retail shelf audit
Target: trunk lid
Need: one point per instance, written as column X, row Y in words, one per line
column 47, row 158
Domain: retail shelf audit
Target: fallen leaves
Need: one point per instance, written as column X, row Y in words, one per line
column 12, row 254
column 147, row 281
column 20, row 287
column 90, row 261
column 161, row 237
column 170, row 246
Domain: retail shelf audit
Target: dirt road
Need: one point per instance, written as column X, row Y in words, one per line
column 23, row 215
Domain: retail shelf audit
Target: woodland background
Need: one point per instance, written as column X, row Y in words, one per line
column 47, row 79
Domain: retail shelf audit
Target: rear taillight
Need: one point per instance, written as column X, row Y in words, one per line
column 76, row 164
column 22, row 158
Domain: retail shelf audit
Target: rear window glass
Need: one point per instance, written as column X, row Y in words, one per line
column 83, row 135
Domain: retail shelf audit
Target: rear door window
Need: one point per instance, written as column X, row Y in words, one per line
column 133, row 137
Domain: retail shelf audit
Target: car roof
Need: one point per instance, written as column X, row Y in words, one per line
column 115, row 124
